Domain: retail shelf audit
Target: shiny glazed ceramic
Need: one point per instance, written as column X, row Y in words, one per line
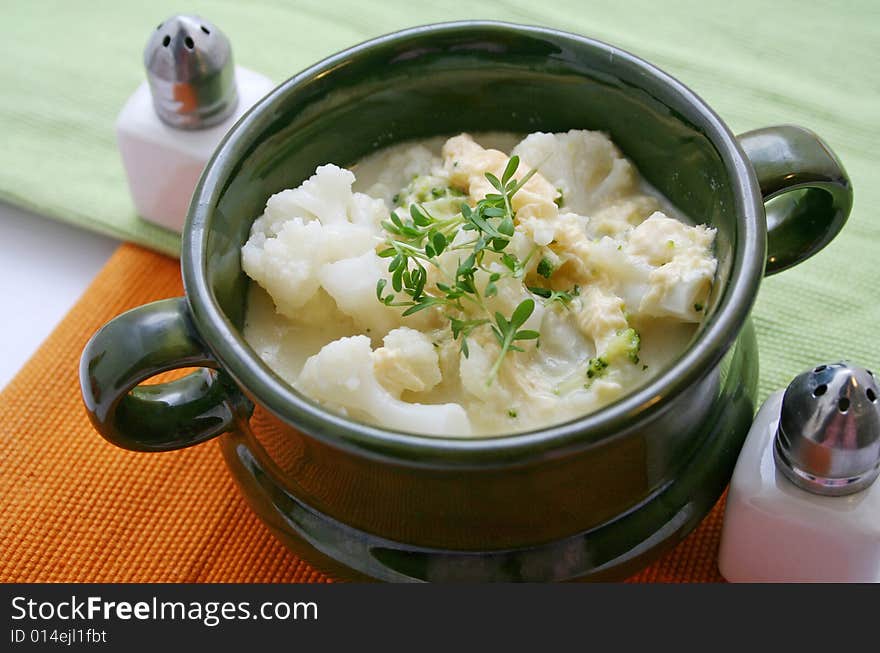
column 597, row 497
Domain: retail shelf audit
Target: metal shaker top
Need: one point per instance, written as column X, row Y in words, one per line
column 190, row 72
column 828, row 440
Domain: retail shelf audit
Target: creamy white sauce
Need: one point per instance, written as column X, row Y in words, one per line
column 420, row 382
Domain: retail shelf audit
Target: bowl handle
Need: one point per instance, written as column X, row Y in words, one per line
column 143, row 342
column 807, row 193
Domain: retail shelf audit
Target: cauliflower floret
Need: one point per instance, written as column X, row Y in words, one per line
column 539, row 208
column 659, row 239
column 408, row 361
column 286, row 264
column 367, row 211
column 679, row 285
column 675, row 289
column 680, row 288
column 600, row 316
column 626, row 276
column 522, row 244
column 540, row 231
column 475, row 369
column 569, row 227
column 585, row 261
column 467, row 164
column 321, row 310
column 448, row 354
column 342, row 375
column 585, row 165
column 569, row 241
column 619, row 217
column 509, row 295
column 303, row 228
column 324, row 196
column 351, row 282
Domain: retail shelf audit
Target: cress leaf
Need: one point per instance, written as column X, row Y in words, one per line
column 496, row 183
column 512, row 165
column 522, row 313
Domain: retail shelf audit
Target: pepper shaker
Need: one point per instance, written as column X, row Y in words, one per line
column 170, row 126
column 804, row 501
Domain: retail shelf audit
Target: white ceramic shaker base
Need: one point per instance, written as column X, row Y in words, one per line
column 776, row 532
column 163, row 163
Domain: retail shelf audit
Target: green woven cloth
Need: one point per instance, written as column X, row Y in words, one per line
column 67, row 68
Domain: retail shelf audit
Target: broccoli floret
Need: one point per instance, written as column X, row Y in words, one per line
column 424, row 188
column 549, row 263
column 626, row 344
column 546, row 268
column 431, row 192
column 597, row 367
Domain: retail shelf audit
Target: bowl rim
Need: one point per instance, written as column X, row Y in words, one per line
column 237, row 359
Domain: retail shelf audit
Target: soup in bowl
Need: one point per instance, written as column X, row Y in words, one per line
column 453, row 289
column 594, row 494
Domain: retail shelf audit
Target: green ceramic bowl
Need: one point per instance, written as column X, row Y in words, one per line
column 597, row 497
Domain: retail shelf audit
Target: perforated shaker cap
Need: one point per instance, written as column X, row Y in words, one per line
column 828, row 440
column 190, row 72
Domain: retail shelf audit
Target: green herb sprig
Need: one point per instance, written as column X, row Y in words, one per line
column 549, row 296
column 416, row 242
column 508, row 332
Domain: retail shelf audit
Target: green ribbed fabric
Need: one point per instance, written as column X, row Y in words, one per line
column 67, row 67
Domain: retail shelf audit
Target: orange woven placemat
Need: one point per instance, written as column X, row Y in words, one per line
column 78, row 509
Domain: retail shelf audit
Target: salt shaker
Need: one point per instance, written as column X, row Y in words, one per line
column 804, row 500
column 170, row 126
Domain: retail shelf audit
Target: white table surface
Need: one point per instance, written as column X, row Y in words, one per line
column 45, row 266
